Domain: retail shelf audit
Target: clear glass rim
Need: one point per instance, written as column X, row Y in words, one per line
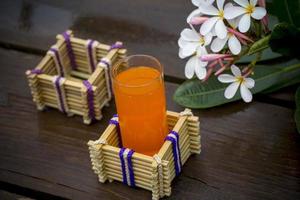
column 160, row 67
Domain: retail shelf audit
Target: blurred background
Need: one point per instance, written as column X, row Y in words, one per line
column 145, row 27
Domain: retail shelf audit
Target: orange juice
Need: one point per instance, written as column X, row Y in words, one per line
column 141, row 106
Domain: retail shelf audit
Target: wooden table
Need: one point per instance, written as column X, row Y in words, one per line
column 249, row 151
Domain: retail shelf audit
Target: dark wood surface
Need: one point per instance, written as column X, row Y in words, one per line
column 249, row 151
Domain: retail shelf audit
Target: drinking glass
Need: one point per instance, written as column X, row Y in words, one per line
column 141, row 103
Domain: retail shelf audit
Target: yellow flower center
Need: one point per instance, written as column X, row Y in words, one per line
column 250, row 9
column 240, row 79
column 221, row 14
column 202, row 41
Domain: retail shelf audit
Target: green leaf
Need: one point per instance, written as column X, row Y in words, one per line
column 259, row 45
column 267, row 54
column 297, row 113
column 286, row 11
column 282, row 84
column 195, row 94
column 285, row 39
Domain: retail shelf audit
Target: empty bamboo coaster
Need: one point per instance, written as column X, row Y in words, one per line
column 110, row 161
column 74, row 76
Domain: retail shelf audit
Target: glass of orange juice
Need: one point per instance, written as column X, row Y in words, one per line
column 141, row 103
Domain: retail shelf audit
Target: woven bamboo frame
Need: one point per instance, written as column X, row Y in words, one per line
column 106, row 164
column 41, row 85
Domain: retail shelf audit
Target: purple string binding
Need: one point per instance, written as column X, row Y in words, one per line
column 104, row 62
column 129, row 167
column 116, row 46
column 90, row 53
column 70, row 50
column 116, row 123
column 123, row 165
column 57, row 87
column 90, row 99
column 36, row 71
column 178, row 147
column 175, row 150
column 54, row 50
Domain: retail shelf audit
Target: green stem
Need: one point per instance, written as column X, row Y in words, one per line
column 291, row 68
column 257, row 58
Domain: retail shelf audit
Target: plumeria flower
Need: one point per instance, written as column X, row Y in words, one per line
column 215, row 22
column 237, row 81
column 197, row 12
column 233, row 42
column 195, row 66
column 190, row 41
column 246, row 11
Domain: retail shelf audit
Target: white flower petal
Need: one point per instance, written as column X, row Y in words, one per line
column 227, row 5
column 234, row 45
column 208, row 9
column 221, row 29
column 200, row 71
column 189, row 35
column 253, row 2
column 220, row 4
column 182, row 42
column 258, row 13
column 195, row 13
column 245, row 93
column 198, row 2
column 235, row 71
column 226, row 78
column 244, row 23
column 213, row 32
column 208, row 25
column 202, row 63
column 207, row 39
column 218, row 44
column 190, row 48
column 231, row 90
column 234, row 22
column 180, row 54
column 249, row 82
column 231, row 12
column 190, row 67
column 243, row 3
column 201, row 51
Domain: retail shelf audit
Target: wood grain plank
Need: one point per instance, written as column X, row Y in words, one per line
column 250, row 151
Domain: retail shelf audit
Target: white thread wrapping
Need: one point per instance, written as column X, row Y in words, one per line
column 115, row 118
column 177, row 150
column 94, row 53
column 107, row 76
column 100, row 141
column 63, row 94
column 125, row 155
column 160, row 175
column 186, row 112
column 56, row 62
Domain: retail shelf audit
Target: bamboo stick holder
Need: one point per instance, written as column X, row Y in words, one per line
column 151, row 173
column 74, row 92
